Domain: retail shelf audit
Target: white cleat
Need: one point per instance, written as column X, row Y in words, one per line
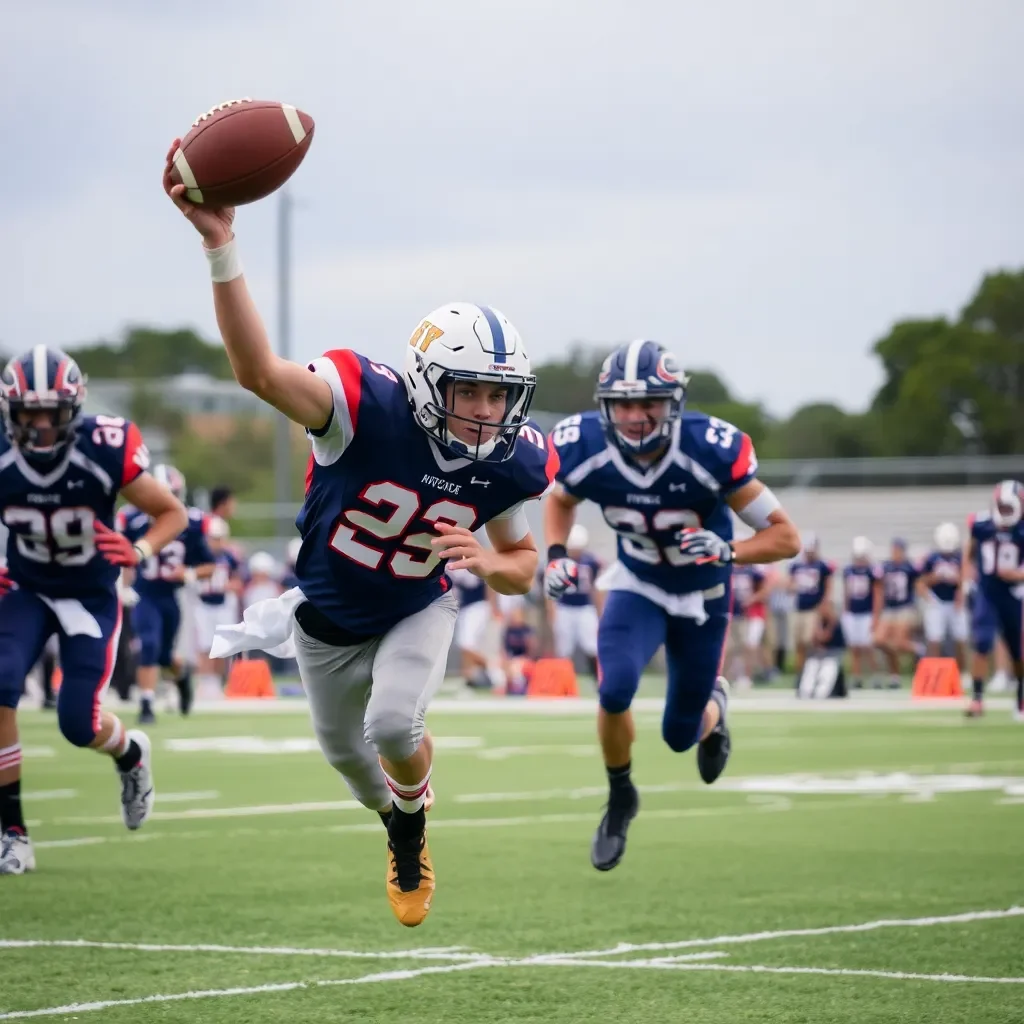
column 16, row 853
column 137, row 792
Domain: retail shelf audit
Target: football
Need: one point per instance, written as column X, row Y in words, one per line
column 241, row 151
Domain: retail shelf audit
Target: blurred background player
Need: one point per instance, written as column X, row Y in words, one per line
column 157, row 580
column 574, row 616
column 810, row 581
column 223, row 504
column 217, row 604
column 60, row 476
column 994, row 559
column 750, row 589
column 862, row 602
column 518, row 650
column 478, row 607
column 939, row 586
column 289, row 579
column 898, row 616
column 665, row 481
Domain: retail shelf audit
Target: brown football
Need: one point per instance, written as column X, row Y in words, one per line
column 241, row 151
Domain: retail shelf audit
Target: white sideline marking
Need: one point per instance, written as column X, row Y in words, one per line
column 426, row 953
column 790, row 933
column 248, row 811
column 288, row 744
column 588, row 959
column 754, row 806
column 50, row 794
column 28, row 752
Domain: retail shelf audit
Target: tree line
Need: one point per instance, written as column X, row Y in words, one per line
column 951, row 386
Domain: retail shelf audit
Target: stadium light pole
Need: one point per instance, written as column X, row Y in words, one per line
column 282, row 434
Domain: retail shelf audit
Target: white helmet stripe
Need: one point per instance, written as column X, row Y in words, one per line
column 39, row 381
column 633, row 359
column 1005, row 495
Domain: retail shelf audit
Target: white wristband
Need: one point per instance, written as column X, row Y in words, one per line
column 225, row 263
column 143, row 549
column 190, row 575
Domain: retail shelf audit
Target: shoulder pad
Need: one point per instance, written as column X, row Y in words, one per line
column 534, row 461
column 722, row 449
column 576, row 439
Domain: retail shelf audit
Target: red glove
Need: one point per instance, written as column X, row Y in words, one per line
column 115, row 547
column 6, row 583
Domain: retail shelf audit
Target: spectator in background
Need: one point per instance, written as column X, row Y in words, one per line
column 518, row 651
column 218, row 600
column 780, row 607
column 750, row 587
column 263, row 579
column 223, row 503
column 898, row 614
column 574, row 616
column 862, row 583
column 810, row 581
column 477, row 607
column 289, row 579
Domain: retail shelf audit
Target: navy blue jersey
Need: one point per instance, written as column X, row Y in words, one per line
column 469, row 589
column 945, row 567
column 159, row 576
column 898, row 579
column 376, row 488
column 997, row 549
column 746, row 579
column 51, row 510
column 589, row 567
column 214, row 589
column 707, row 459
column 518, row 640
column 809, row 578
column 859, row 588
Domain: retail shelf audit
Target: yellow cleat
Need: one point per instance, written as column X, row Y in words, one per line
column 410, row 879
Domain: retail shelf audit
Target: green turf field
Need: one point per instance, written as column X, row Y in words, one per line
column 849, row 866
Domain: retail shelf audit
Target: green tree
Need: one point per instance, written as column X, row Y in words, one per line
column 820, row 431
column 146, row 353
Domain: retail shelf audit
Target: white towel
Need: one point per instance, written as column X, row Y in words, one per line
column 73, row 618
column 265, row 626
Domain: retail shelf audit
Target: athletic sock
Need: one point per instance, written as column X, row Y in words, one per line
column 404, row 825
column 10, row 808
column 979, row 688
column 385, row 816
column 130, row 758
column 618, row 778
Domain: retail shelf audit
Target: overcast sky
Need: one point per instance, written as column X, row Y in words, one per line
column 762, row 186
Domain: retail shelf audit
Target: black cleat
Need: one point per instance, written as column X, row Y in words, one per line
column 713, row 753
column 146, row 716
column 609, row 843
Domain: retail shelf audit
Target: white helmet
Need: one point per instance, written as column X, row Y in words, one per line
column 461, row 341
column 217, row 528
column 171, row 478
column 947, row 538
column 578, row 538
column 861, row 547
column 294, row 547
column 262, row 564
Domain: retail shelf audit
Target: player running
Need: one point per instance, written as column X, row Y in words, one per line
column 665, row 480
column 994, row 562
column 405, row 466
column 60, row 476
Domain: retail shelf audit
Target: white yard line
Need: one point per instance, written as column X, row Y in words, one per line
column 426, row 953
column 49, row 794
column 791, row 933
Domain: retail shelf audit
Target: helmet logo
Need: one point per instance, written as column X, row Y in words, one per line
column 425, row 335
column 667, row 370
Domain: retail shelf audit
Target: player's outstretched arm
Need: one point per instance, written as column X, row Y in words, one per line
column 302, row 396
column 559, row 515
column 776, row 537
column 168, row 514
column 508, row 567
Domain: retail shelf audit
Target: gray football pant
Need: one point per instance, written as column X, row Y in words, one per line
column 370, row 699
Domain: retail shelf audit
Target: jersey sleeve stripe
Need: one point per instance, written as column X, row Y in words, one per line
column 341, row 370
column 551, row 467
column 351, row 374
column 135, row 456
column 746, row 460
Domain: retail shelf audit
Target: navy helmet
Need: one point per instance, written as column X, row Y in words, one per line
column 48, row 380
column 1008, row 504
column 638, row 371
